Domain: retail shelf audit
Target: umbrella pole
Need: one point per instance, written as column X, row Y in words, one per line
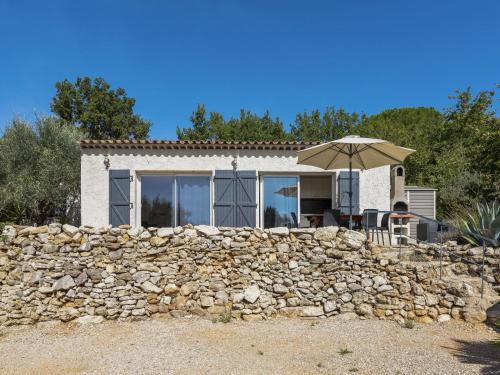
column 350, row 187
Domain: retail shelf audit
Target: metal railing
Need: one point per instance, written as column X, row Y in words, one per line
column 441, row 225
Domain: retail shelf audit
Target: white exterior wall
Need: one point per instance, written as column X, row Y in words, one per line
column 374, row 183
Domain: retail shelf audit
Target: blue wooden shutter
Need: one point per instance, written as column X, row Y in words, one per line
column 119, row 197
column 235, row 198
column 224, row 192
column 344, row 192
column 246, row 198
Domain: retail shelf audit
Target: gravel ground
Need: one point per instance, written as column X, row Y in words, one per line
column 279, row 346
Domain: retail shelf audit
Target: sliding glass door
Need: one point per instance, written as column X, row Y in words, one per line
column 168, row 201
column 280, row 201
column 193, row 200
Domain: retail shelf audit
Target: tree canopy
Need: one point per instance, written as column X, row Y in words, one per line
column 40, row 161
column 414, row 128
column 247, row 127
column 469, row 152
column 39, row 171
column 332, row 124
column 99, row 111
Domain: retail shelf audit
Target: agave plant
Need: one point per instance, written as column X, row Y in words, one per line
column 484, row 222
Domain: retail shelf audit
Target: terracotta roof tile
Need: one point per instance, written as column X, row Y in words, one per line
column 165, row 144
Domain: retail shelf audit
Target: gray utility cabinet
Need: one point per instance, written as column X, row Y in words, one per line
column 422, row 201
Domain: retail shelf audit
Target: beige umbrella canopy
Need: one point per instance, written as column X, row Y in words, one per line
column 287, row 191
column 353, row 152
column 365, row 153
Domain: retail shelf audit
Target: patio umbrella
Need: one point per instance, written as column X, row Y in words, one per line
column 287, row 191
column 353, row 152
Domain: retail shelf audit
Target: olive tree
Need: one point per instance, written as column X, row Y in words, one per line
column 39, row 171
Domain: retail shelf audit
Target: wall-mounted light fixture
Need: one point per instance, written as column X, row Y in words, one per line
column 106, row 162
column 234, row 163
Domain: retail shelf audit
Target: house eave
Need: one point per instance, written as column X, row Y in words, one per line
column 195, row 145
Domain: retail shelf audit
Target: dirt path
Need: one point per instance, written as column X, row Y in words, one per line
column 195, row 346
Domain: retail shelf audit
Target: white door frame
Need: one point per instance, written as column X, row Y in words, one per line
column 261, row 195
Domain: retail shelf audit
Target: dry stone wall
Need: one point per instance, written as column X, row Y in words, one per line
column 464, row 259
column 63, row 273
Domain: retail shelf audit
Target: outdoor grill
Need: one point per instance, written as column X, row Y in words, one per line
column 398, row 196
column 400, row 206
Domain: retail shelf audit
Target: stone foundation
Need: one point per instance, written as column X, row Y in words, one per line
column 63, row 273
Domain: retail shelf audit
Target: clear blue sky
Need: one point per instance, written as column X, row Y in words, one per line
column 285, row 56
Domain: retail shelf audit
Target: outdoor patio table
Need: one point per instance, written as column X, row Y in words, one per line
column 355, row 218
column 403, row 216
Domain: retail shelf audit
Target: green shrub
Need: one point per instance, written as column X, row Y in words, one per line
column 483, row 221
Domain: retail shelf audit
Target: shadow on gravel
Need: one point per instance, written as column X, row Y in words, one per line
column 486, row 353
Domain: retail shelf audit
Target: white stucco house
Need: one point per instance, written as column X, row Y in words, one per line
column 257, row 184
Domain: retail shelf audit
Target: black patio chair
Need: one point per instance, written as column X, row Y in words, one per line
column 370, row 221
column 331, row 218
column 384, row 225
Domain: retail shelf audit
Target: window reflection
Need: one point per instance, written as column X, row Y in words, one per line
column 157, row 197
column 280, row 202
